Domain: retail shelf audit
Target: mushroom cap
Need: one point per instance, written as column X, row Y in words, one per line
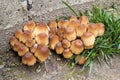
column 53, row 26
column 73, row 18
column 74, row 24
column 42, row 38
column 77, row 46
column 70, row 34
column 84, row 20
column 67, row 53
column 41, row 28
column 92, row 28
column 88, row 39
column 18, row 33
column 81, row 29
column 30, row 42
column 65, row 43
column 54, row 39
column 30, row 25
column 16, row 46
column 59, row 48
column 42, row 52
column 29, row 59
column 80, row 60
column 22, row 50
column 34, row 48
column 13, row 40
column 100, row 28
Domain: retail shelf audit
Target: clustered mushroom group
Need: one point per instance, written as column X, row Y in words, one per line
column 66, row 37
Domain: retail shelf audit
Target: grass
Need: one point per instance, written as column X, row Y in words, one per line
column 106, row 46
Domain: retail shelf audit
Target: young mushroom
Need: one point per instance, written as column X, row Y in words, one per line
column 67, row 53
column 65, row 43
column 73, row 18
column 18, row 33
column 30, row 42
column 53, row 26
column 22, row 50
column 59, row 48
column 100, row 28
column 30, row 25
column 80, row 60
column 13, row 40
column 29, row 59
column 77, row 46
column 84, row 20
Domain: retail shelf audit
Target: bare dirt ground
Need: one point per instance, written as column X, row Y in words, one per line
column 56, row 67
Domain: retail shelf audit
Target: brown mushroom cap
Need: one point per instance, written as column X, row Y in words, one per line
column 81, row 60
column 42, row 38
column 74, row 24
column 34, row 48
column 18, row 33
column 77, row 46
column 81, row 29
column 100, row 28
column 30, row 42
column 30, row 25
column 53, row 26
column 67, row 53
column 54, row 39
column 42, row 53
column 13, row 40
column 41, row 28
column 88, row 39
column 70, row 34
column 59, row 49
column 73, row 18
column 16, row 46
column 84, row 20
column 22, row 50
column 92, row 28
column 65, row 43
column 28, row 59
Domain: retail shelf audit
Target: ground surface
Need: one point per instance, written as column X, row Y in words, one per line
column 12, row 16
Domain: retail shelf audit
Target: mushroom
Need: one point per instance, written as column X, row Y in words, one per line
column 53, row 26
column 73, row 18
column 77, row 46
column 88, row 39
column 59, row 49
column 22, row 50
column 42, row 38
column 74, row 24
column 30, row 42
column 100, row 28
column 34, row 48
column 80, row 60
column 13, row 40
column 54, row 39
column 28, row 59
column 70, row 33
column 60, row 32
column 93, row 29
column 16, row 46
column 81, row 29
column 67, row 53
column 18, row 33
column 84, row 20
column 30, row 25
column 26, row 35
column 41, row 28
column 65, row 43
column 42, row 52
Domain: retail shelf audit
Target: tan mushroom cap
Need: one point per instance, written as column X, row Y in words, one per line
column 16, row 46
column 42, row 53
column 60, row 33
column 100, row 28
column 54, row 39
column 88, row 39
column 30, row 42
column 73, row 18
column 77, row 46
column 74, row 24
column 81, row 60
column 53, row 26
column 34, row 48
column 70, row 33
column 84, row 20
column 81, row 29
column 13, row 40
column 65, row 43
column 63, row 23
column 93, row 29
column 28, row 59
column 59, row 48
column 67, row 53
column 30, row 25
column 26, row 35
column 18, row 33
column 42, row 38
column 22, row 50
column 41, row 28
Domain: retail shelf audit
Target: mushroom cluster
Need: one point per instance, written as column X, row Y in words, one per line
column 66, row 37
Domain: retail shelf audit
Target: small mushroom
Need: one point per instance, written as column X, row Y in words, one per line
column 30, row 42
column 42, row 52
column 100, row 28
column 93, row 29
column 30, row 25
column 73, row 18
column 16, row 46
column 53, row 26
column 74, row 24
column 67, row 53
column 65, row 43
column 77, row 46
column 54, row 39
column 13, row 40
column 59, row 48
column 22, row 50
column 42, row 38
column 81, row 29
column 84, row 20
column 88, row 39
column 34, row 48
column 80, row 60
column 18, row 33
column 28, row 59
column 70, row 33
